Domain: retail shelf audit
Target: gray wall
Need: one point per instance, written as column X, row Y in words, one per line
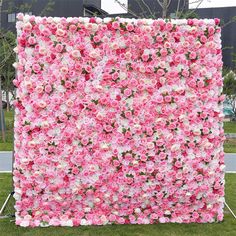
column 61, row 8
column 96, row 3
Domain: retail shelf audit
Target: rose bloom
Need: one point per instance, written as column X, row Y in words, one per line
column 27, row 27
column 48, row 88
column 36, row 68
column 130, row 27
column 42, row 104
column 203, row 38
column 75, row 54
column 72, row 28
column 108, row 128
column 127, row 92
column 31, row 40
column 64, row 70
column 39, row 89
column 116, row 25
column 60, row 32
column 192, row 55
column 69, row 103
column 59, row 47
column 63, row 117
column 159, row 99
column 68, row 84
column 128, row 114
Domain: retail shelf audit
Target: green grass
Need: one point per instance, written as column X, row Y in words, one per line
column 225, row 228
column 230, row 127
column 8, row 145
column 230, row 146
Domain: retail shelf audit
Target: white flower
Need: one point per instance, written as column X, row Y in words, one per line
column 17, row 196
column 57, row 19
column 15, row 49
column 26, row 18
column 104, row 145
column 106, row 20
column 137, row 210
column 175, row 147
column 15, row 64
column 86, row 19
column 83, row 222
column 98, row 20
column 24, row 223
column 94, row 27
column 67, row 223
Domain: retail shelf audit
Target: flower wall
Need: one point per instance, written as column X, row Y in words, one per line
column 118, row 121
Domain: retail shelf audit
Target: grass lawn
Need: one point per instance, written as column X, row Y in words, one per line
column 8, row 145
column 229, row 146
column 225, row 228
column 230, row 127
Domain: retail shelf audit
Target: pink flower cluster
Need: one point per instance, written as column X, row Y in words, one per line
column 118, row 121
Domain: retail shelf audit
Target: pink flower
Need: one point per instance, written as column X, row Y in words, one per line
column 75, row 53
column 32, row 40
column 42, row 104
column 27, row 26
column 60, row 32
column 36, row 68
column 127, row 92
column 115, row 25
column 48, row 88
column 159, row 99
column 59, row 47
column 130, row 27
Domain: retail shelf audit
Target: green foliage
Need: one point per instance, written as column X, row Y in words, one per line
column 7, row 58
column 229, row 89
column 230, row 84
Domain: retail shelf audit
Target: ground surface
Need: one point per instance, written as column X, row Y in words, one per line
column 225, row 228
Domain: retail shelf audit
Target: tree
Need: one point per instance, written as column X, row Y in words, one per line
column 7, row 58
column 180, row 12
column 230, row 90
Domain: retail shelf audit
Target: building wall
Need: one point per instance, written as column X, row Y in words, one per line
column 228, row 32
column 61, row 8
column 96, row 3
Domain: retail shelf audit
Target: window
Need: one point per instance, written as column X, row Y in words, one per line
column 11, row 17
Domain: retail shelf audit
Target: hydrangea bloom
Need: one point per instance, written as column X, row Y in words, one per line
column 118, row 121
